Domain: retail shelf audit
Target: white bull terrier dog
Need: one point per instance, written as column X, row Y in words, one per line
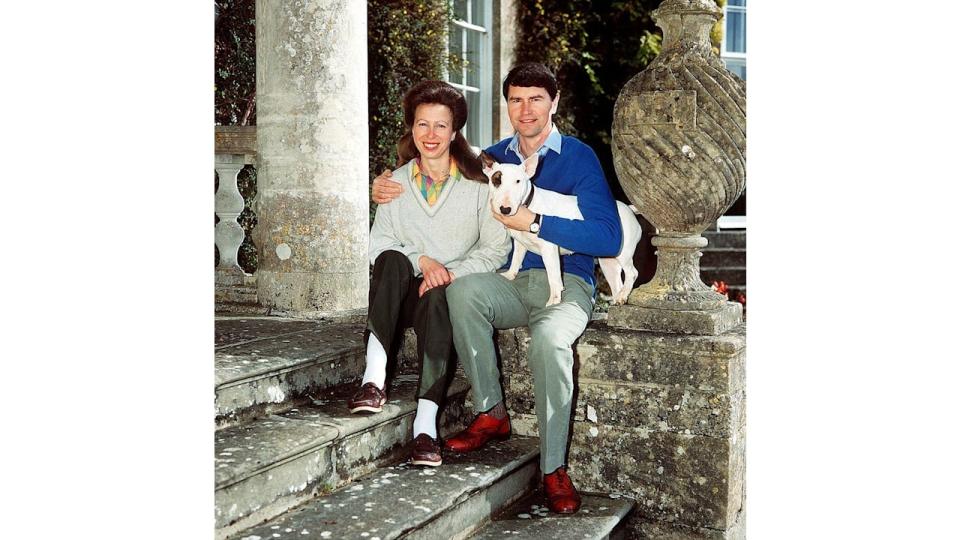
column 510, row 187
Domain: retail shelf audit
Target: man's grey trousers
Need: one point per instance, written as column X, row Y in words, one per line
column 478, row 303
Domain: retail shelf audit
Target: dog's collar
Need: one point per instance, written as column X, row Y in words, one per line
column 529, row 198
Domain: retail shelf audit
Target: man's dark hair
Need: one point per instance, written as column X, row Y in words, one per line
column 531, row 74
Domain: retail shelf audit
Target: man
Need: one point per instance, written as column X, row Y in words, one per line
column 480, row 302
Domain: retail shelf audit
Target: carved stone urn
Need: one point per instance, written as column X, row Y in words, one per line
column 679, row 148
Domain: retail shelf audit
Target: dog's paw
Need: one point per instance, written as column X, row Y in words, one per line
column 554, row 299
column 509, row 275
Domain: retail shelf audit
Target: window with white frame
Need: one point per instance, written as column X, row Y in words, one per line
column 733, row 52
column 469, row 41
column 733, row 49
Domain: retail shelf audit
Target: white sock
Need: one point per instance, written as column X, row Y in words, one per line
column 426, row 419
column 376, row 371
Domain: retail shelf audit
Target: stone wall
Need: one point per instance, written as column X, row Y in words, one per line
column 658, row 417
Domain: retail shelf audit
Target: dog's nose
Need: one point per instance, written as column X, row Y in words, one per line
column 505, row 210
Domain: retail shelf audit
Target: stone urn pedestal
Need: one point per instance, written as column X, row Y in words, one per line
column 679, row 147
column 661, row 385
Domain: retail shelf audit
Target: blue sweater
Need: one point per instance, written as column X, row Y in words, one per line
column 574, row 171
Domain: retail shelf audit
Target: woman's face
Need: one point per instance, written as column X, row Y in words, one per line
column 433, row 130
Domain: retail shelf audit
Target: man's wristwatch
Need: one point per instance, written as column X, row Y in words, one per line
column 535, row 226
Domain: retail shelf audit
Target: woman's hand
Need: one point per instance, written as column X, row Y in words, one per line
column 384, row 189
column 434, row 274
column 424, row 287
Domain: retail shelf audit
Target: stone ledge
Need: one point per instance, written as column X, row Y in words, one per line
column 274, row 463
column 710, row 323
column 637, row 357
column 261, row 362
column 412, row 502
column 676, row 410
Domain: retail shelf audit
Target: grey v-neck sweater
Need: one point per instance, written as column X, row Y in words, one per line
column 458, row 230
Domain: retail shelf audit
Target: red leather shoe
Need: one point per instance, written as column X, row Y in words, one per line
column 562, row 497
column 483, row 428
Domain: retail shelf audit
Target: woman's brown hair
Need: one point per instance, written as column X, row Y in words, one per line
column 439, row 92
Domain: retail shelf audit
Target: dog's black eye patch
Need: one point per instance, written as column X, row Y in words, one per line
column 518, row 180
column 496, row 178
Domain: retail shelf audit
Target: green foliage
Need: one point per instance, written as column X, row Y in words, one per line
column 716, row 33
column 594, row 47
column 235, row 57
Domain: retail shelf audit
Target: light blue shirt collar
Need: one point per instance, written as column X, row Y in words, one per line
column 553, row 142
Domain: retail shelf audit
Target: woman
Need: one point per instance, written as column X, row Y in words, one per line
column 440, row 228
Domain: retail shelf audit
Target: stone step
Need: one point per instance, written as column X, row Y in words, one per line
column 731, row 276
column 449, row 502
column 726, row 239
column 234, row 309
column 600, row 516
column 274, row 463
column 269, row 364
column 237, row 294
column 724, row 258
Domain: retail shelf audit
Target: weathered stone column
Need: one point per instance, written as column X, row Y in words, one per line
column 313, row 211
column 679, row 147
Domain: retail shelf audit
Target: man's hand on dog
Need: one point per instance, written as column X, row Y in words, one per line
column 519, row 222
column 385, row 189
column 434, row 274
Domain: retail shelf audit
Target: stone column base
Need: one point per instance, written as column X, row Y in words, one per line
column 705, row 323
column 308, row 294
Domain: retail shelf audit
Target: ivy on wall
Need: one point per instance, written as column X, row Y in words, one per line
column 235, row 67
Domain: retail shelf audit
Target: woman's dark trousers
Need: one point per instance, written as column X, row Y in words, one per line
column 394, row 306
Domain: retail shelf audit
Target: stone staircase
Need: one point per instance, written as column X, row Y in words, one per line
column 725, row 259
column 292, row 462
column 239, row 298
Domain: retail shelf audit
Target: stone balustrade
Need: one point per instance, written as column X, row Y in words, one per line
column 234, row 148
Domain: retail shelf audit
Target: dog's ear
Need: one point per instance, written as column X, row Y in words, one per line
column 530, row 164
column 487, row 162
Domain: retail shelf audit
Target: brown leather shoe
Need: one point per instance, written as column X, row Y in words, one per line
column 562, row 497
column 483, row 428
column 368, row 398
column 426, row 451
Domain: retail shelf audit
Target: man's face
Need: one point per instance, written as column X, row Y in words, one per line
column 530, row 110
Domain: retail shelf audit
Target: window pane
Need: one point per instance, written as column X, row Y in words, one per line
column 737, row 3
column 476, row 13
column 738, row 66
column 736, row 32
column 460, row 9
column 456, row 52
column 472, row 129
column 474, row 42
